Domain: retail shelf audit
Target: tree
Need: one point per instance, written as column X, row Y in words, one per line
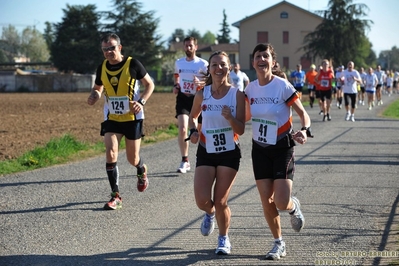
column 225, row 31
column 137, row 31
column 341, row 35
column 196, row 34
column 76, row 46
column 177, row 36
column 208, row 38
column 34, row 46
column 11, row 42
column 48, row 34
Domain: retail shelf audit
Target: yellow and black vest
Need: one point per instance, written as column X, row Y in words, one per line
column 119, row 89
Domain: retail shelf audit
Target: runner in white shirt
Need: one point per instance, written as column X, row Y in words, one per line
column 339, row 85
column 188, row 70
column 350, row 78
column 238, row 78
column 363, row 74
column 218, row 153
column 270, row 101
column 370, row 82
column 380, row 76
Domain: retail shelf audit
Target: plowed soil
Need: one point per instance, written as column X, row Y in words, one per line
column 28, row 120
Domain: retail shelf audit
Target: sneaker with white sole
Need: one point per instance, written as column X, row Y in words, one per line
column 297, row 219
column 114, row 203
column 142, row 180
column 208, row 224
column 353, row 118
column 224, row 246
column 184, row 167
column 277, row 251
column 348, row 116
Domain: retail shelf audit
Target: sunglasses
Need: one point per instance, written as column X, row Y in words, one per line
column 106, row 49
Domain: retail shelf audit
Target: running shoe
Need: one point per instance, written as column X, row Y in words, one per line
column 381, row 102
column 340, row 106
column 362, row 102
column 184, row 167
column 277, row 251
column 324, row 118
column 348, row 116
column 224, row 246
column 321, row 113
column 297, row 219
column 328, row 117
column 370, row 108
column 114, row 203
column 353, row 118
column 208, row 224
column 142, row 180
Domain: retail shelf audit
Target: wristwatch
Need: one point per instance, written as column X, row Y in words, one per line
column 308, row 131
column 141, row 101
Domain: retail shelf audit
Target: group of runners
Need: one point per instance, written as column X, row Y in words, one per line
column 345, row 85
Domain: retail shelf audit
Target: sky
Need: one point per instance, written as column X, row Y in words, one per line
column 200, row 15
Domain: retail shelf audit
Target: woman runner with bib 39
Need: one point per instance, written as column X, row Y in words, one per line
column 218, row 154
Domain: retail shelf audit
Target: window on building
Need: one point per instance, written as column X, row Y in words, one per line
column 262, row 37
column 283, row 14
column 232, row 58
column 286, row 62
column 285, row 37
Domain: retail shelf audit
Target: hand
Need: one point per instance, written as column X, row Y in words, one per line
column 194, row 137
column 176, row 88
column 300, row 136
column 135, row 107
column 226, row 112
column 199, row 82
column 94, row 96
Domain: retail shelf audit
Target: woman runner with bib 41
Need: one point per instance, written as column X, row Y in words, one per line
column 270, row 100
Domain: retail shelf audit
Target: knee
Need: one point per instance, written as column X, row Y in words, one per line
column 282, row 203
column 220, row 205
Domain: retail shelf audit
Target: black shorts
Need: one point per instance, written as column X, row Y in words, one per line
column 317, row 94
column 132, row 130
column 378, row 87
column 229, row 158
column 184, row 104
column 363, row 89
column 325, row 95
column 273, row 163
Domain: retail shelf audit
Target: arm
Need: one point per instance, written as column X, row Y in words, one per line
column 238, row 122
column 148, row 87
column 301, row 136
column 95, row 94
column 194, row 114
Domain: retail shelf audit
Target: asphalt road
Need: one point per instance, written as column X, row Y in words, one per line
column 347, row 180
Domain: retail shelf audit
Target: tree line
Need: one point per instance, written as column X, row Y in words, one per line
column 72, row 45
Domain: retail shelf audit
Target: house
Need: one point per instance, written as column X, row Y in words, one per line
column 284, row 26
column 230, row 48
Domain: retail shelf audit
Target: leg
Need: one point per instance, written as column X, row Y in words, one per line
column 266, row 193
column 204, row 178
column 225, row 177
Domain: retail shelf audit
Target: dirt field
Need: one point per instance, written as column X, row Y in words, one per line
column 32, row 119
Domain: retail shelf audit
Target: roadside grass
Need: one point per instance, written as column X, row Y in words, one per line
column 67, row 149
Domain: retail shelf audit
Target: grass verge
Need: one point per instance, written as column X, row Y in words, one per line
column 67, row 149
